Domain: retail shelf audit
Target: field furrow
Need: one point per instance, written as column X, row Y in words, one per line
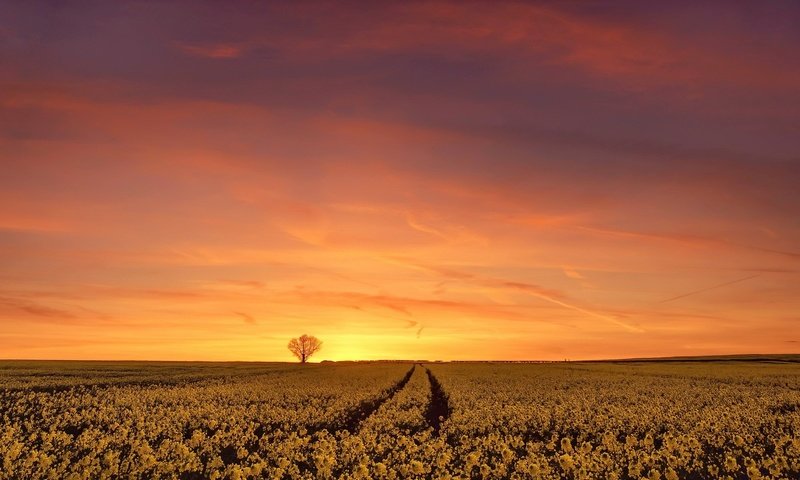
column 369, row 406
column 438, row 409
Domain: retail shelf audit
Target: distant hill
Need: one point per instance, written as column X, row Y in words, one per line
column 771, row 358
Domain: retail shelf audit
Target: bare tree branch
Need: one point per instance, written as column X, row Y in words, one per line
column 304, row 347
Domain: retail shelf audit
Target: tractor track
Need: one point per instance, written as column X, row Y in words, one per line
column 437, row 412
column 439, row 408
column 368, row 407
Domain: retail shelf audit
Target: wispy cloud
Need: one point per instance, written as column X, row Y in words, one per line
column 214, row 51
column 412, row 306
column 416, row 225
column 713, row 287
column 684, row 239
column 572, row 273
column 15, row 308
column 537, row 291
column 248, row 319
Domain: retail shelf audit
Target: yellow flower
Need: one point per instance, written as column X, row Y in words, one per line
column 566, row 461
column 731, row 465
column 566, row 444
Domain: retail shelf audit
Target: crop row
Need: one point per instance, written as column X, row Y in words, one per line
column 392, row 421
column 631, row 422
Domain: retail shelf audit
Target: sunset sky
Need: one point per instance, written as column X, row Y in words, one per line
column 426, row 180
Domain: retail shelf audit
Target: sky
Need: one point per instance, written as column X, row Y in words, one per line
column 404, row 180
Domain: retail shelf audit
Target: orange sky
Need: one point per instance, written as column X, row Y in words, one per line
column 184, row 180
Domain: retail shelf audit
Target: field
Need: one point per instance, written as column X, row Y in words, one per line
column 687, row 418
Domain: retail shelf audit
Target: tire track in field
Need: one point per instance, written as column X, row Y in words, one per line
column 439, row 408
column 352, row 419
column 368, row 407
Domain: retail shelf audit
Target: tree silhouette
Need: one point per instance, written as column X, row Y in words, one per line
column 304, row 346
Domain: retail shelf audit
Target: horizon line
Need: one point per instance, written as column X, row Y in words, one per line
column 406, row 360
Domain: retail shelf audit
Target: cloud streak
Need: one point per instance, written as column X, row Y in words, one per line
column 537, row 291
column 713, row 287
column 218, row 51
column 248, row 319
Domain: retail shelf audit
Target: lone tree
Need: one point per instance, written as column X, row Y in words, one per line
column 304, row 347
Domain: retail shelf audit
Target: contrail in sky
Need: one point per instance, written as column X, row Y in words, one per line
column 531, row 289
column 619, row 323
column 709, row 288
